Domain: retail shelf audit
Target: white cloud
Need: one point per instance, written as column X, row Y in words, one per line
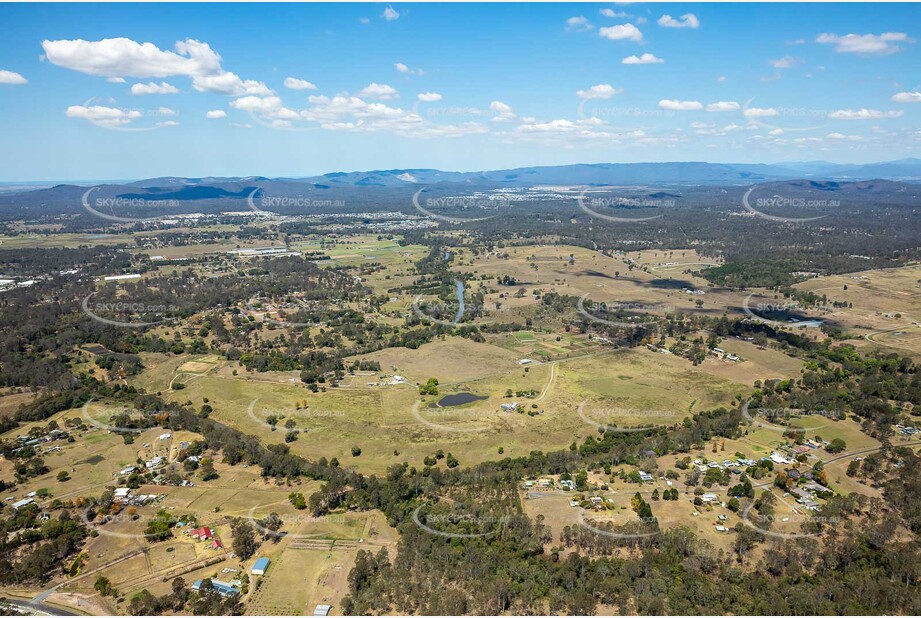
column 154, row 88
column 165, row 111
column 11, row 77
column 613, row 13
column 680, row 106
column 293, row 83
column 503, row 111
column 723, row 106
column 379, row 91
column 787, row 62
column 215, row 114
column 578, row 24
column 864, row 114
column 643, row 59
column 428, row 97
column 688, row 20
column 907, row 97
column 625, row 32
column 115, row 80
column 168, row 123
column 122, row 57
column 721, row 78
column 777, row 131
column 230, row 84
column 842, row 136
column 390, row 14
column 881, row 44
column 103, row 116
column 599, row 91
column 760, row 112
column 402, row 68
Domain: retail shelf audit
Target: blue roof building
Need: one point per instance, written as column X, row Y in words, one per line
column 223, row 588
column 260, row 567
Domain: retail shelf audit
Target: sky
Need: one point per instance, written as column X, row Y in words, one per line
column 129, row 91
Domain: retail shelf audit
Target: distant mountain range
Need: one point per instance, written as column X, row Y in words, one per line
column 229, row 193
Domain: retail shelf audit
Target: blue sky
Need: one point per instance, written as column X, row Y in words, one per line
column 137, row 90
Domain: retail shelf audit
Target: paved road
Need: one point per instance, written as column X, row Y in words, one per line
column 39, row 609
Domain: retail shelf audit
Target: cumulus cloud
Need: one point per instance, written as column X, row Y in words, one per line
column 643, row 59
column 109, row 117
column 390, row 14
column 379, row 91
column 760, row 112
column 578, row 24
column 625, row 32
column 723, row 106
column 842, row 136
column 293, row 83
column 215, row 114
column 402, row 68
column 503, row 111
column 879, row 44
column 787, row 62
column 599, row 91
column 428, row 97
column 688, row 20
column 613, row 13
column 154, row 88
column 864, row 114
column 907, row 97
column 680, row 106
column 11, row 77
column 122, row 57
